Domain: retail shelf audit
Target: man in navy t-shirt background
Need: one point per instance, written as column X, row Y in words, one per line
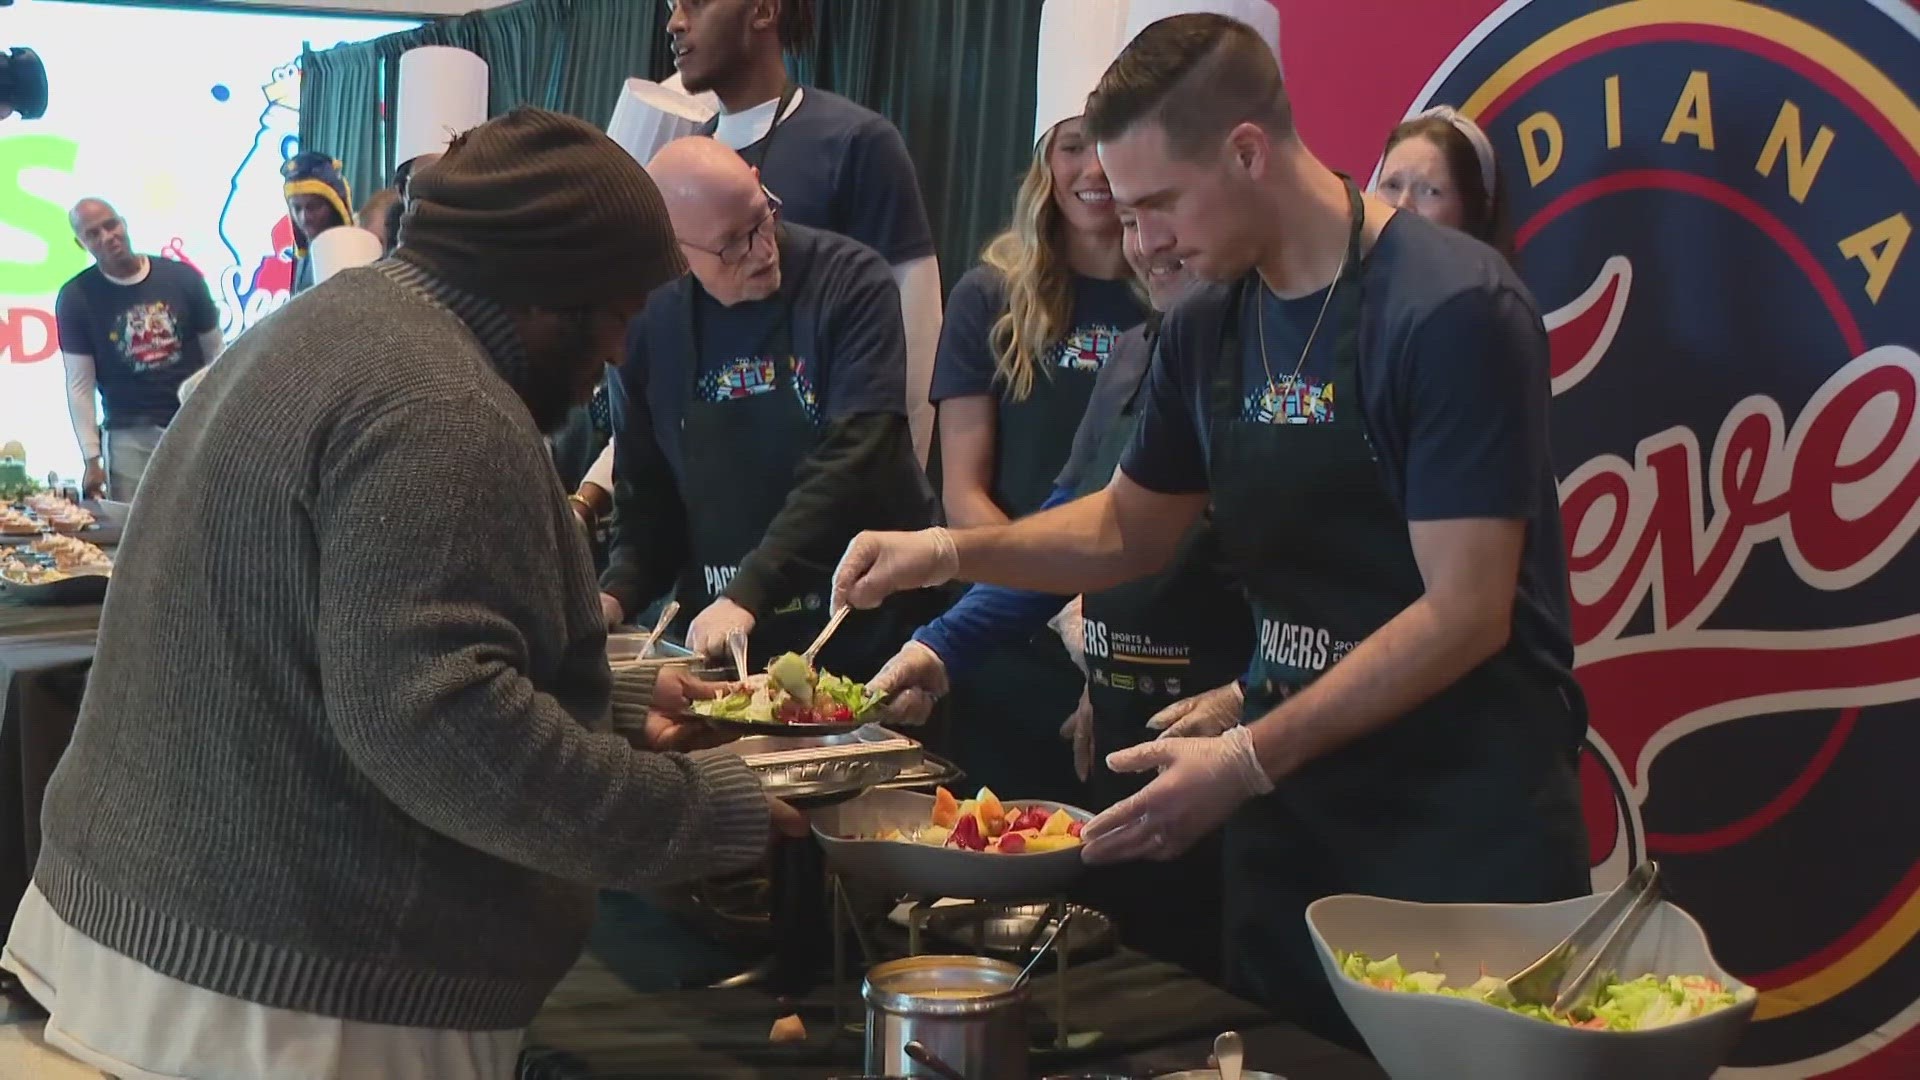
column 835, row 165
column 133, row 327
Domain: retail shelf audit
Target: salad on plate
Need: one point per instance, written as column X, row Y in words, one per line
column 793, row 693
column 1650, row 1001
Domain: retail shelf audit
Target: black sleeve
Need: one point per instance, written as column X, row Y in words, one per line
column 199, row 301
column 71, row 322
column 649, row 542
column 865, row 340
column 859, row 457
column 885, row 211
column 1167, row 454
column 963, row 365
column 1476, row 403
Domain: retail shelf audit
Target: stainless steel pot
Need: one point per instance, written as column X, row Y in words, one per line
column 962, row 1011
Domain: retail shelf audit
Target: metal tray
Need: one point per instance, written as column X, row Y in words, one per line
column 819, row 768
column 109, row 521
column 623, row 647
column 933, row 771
column 78, row 589
column 1009, row 930
column 919, row 870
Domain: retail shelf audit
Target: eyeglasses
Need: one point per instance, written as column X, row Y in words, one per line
column 740, row 250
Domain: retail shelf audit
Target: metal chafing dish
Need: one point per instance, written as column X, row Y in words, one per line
column 815, row 770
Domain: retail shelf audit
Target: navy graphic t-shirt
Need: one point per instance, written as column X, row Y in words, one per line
column 839, row 166
column 964, row 366
column 1454, row 390
column 848, row 355
column 144, row 338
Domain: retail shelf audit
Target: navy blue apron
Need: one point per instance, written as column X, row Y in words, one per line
column 1149, row 644
column 740, row 457
column 1472, row 797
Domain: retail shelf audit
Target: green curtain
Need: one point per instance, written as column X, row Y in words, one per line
column 956, row 76
column 566, row 55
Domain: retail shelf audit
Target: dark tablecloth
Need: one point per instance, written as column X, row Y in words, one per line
column 45, row 652
column 1148, row 1017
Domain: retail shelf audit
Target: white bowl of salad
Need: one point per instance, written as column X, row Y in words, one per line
column 1424, row 985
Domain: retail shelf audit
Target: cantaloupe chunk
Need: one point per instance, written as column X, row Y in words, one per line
column 992, row 815
column 946, row 809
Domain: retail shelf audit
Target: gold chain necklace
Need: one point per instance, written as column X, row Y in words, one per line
column 1260, row 320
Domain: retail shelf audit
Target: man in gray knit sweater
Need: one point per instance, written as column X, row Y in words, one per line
column 343, row 785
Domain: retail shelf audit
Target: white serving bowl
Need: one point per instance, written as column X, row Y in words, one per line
column 1431, row 1037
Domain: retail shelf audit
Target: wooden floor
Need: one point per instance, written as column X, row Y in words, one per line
column 23, row 1055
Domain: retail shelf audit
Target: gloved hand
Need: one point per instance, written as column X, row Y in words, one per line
column 707, row 634
column 1078, row 730
column 1070, row 625
column 916, row 677
column 1201, row 716
column 880, row 564
column 1200, row 784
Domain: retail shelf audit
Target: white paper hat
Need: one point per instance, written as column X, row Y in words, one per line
column 1078, row 39
column 648, row 116
column 443, row 92
column 1259, row 14
column 342, row 247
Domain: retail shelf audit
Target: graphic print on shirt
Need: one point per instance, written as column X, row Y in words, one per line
column 148, row 336
column 1289, row 401
column 750, row 376
column 1086, row 348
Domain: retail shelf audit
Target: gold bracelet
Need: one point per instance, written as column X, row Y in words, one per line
column 592, row 514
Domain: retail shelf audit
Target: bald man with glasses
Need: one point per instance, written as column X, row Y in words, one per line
column 761, row 422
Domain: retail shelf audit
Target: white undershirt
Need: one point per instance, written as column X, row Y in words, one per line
column 748, row 126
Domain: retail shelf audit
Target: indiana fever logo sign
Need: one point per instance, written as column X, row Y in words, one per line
column 1715, row 200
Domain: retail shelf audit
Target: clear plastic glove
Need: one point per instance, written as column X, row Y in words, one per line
column 1071, row 626
column 1201, row 716
column 880, row 564
column 1078, row 730
column 707, row 634
column 916, row 677
column 1201, row 782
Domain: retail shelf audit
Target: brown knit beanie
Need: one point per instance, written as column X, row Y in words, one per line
column 542, row 209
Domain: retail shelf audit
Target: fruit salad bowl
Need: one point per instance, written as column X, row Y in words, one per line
column 851, row 835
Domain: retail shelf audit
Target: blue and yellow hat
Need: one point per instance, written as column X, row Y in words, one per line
column 314, row 173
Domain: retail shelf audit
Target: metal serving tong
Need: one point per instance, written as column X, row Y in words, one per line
column 1568, row 976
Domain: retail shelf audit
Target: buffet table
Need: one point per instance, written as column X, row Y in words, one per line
column 45, row 652
column 1151, row 1018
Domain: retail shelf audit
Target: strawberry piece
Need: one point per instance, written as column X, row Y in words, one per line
column 1012, row 844
column 967, row 835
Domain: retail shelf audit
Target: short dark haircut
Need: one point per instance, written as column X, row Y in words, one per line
column 1200, row 76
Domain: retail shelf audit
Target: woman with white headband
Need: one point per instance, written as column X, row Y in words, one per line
column 1441, row 166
